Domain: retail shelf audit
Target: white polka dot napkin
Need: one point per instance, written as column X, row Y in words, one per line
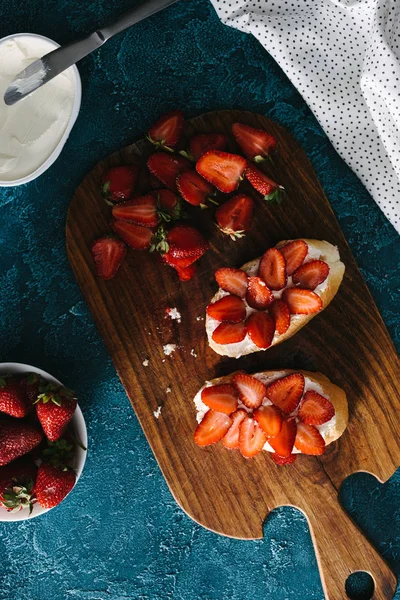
column 344, row 58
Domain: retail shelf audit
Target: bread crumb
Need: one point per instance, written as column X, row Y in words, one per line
column 193, row 353
column 173, row 314
column 157, row 412
column 168, row 390
column 169, row 349
column 145, row 363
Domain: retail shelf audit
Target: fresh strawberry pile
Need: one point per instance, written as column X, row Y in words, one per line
column 284, row 286
column 246, row 413
column 35, row 449
column 199, row 176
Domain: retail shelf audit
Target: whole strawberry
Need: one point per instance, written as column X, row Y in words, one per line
column 55, row 406
column 17, row 485
column 53, row 484
column 17, row 439
column 12, row 399
column 30, row 383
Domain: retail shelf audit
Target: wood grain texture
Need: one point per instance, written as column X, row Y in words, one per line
column 348, row 342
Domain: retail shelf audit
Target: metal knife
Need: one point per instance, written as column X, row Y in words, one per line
column 44, row 69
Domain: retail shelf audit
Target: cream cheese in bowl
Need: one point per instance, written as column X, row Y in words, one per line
column 34, row 130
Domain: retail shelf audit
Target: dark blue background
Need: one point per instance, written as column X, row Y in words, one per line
column 120, row 535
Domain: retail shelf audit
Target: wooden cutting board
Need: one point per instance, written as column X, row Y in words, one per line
column 348, row 342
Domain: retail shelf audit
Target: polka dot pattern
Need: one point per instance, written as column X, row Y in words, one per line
column 344, row 58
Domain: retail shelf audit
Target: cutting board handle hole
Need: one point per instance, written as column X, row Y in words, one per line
column 360, row 586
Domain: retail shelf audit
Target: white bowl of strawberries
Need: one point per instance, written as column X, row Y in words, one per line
column 43, row 442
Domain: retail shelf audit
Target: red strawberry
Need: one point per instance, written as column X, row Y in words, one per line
column 17, row 482
column 280, row 312
column 235, row 215
column 269, row 419
column 12, row 398
column 251, row 390
column 16, row 439
column 273, row 269
column 286, row 392
column 167, row 168
column 261, row 329
column 229, row 309
column 281, row 460
column 229, row 333
column 294, row 254
column 231, row 438
column 55, row 407
column 315, row 409
column 223, row 170
column 166, row 131
column 185, row 241
column 166, row 199
column 135, row 236
column 309, row 440
column 283, row 442
column 256, row 144
column 221, row 398
column 258, row 295
column 120, row 182
column 311, row 274
column 233, row 281
column 264, row 185
column 177, row 263
column 193, row 188
column 141, row 211
column 302, row 302
column 30, row 383
column 53, row 484
column 212, row 428
column 204, row 142
column 251, row 438
column 108, row 254
column 186, row 273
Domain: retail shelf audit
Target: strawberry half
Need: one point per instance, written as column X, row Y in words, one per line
column 184, row 241
column 186, row 273
column 204, row 142
column 234, row 216
column 212, row 428
column 311, row 274
column 302, row 302
column 141, row 211
column 280, row 312
column 119, row 182
column 264, row 185
column 167, row 168
column 309, row 440
column 165, row 133
column 229, row 309
column 193, row 188
column 260, row 328
column 256, row 144
column 221, row 398
column 223, row 170
column 281, row 460
column 229, row 333
column 251, row 390
column 108, row 254
column 272, row 269
column 283, row 442
column 251, row 438
column 294, row 254
column 258, row 295
column 231, row 438
column 315, row 409
column 286, row 392
column 135, row 236
column 233, row 281
column 269, row 419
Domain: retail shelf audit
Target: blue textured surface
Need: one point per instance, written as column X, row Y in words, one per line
column 120, row 535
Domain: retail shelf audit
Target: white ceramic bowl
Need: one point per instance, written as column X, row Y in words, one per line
column 78, row 425
column 74, row 115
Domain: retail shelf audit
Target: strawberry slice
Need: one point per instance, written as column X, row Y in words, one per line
column 185, row 241
column 315, row 409
column 221, row 398
column 233, row 281
column 268, row 188
column 258, row 295
column 229, row 309
column 309, row 440
column 261, row 329
column 186, row 273
column 281, row 460
column 269, row 419
column 204, row 142
column 223, row 170
column 256, row 144
column 119, row 182
column 272, row 269
column 166, row 131
column 234, row 216
column 141, row 211
column 311, row 274
column 286, row 392
column 135, row 236
column 231, row 438
column 251, row 438
column 167, row 168
column 108, row 254
column 229, row 333
column 193, row 188
column 251, row 390
column 180, row 263
column 280, row 312
column 302, row 302
column 294, row 253
column 283, row 442
column 212, row 428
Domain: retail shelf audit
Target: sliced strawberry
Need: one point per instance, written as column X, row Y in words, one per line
column 229, row 309
column 180, row 263
column 280, row 312
column 212, row 428
column 251, row 438
column 268, row 188
column 186, row 273
column 283, row 442
column 281, row 460
column 141, row 211
column 309, row 440
column 229, row 333
column 185, row 241
column 260, row 327
column 234, row 216
column 251, row 390
column 258, row 295
column 204, row 142
column 231, row 438
column 256, row 144
column 233, row 281
column 135, row 236
column 108, row 254
column 302, row 302
column 221, row 169
column 119, row 182
column 294, row 253
column 311, row 274
column 193, row 188
column 269, row 419
column 222, row 398
column 315, row 409
column 167, row 130
column 273, row 269
column 286, row 392
column 167, row 168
